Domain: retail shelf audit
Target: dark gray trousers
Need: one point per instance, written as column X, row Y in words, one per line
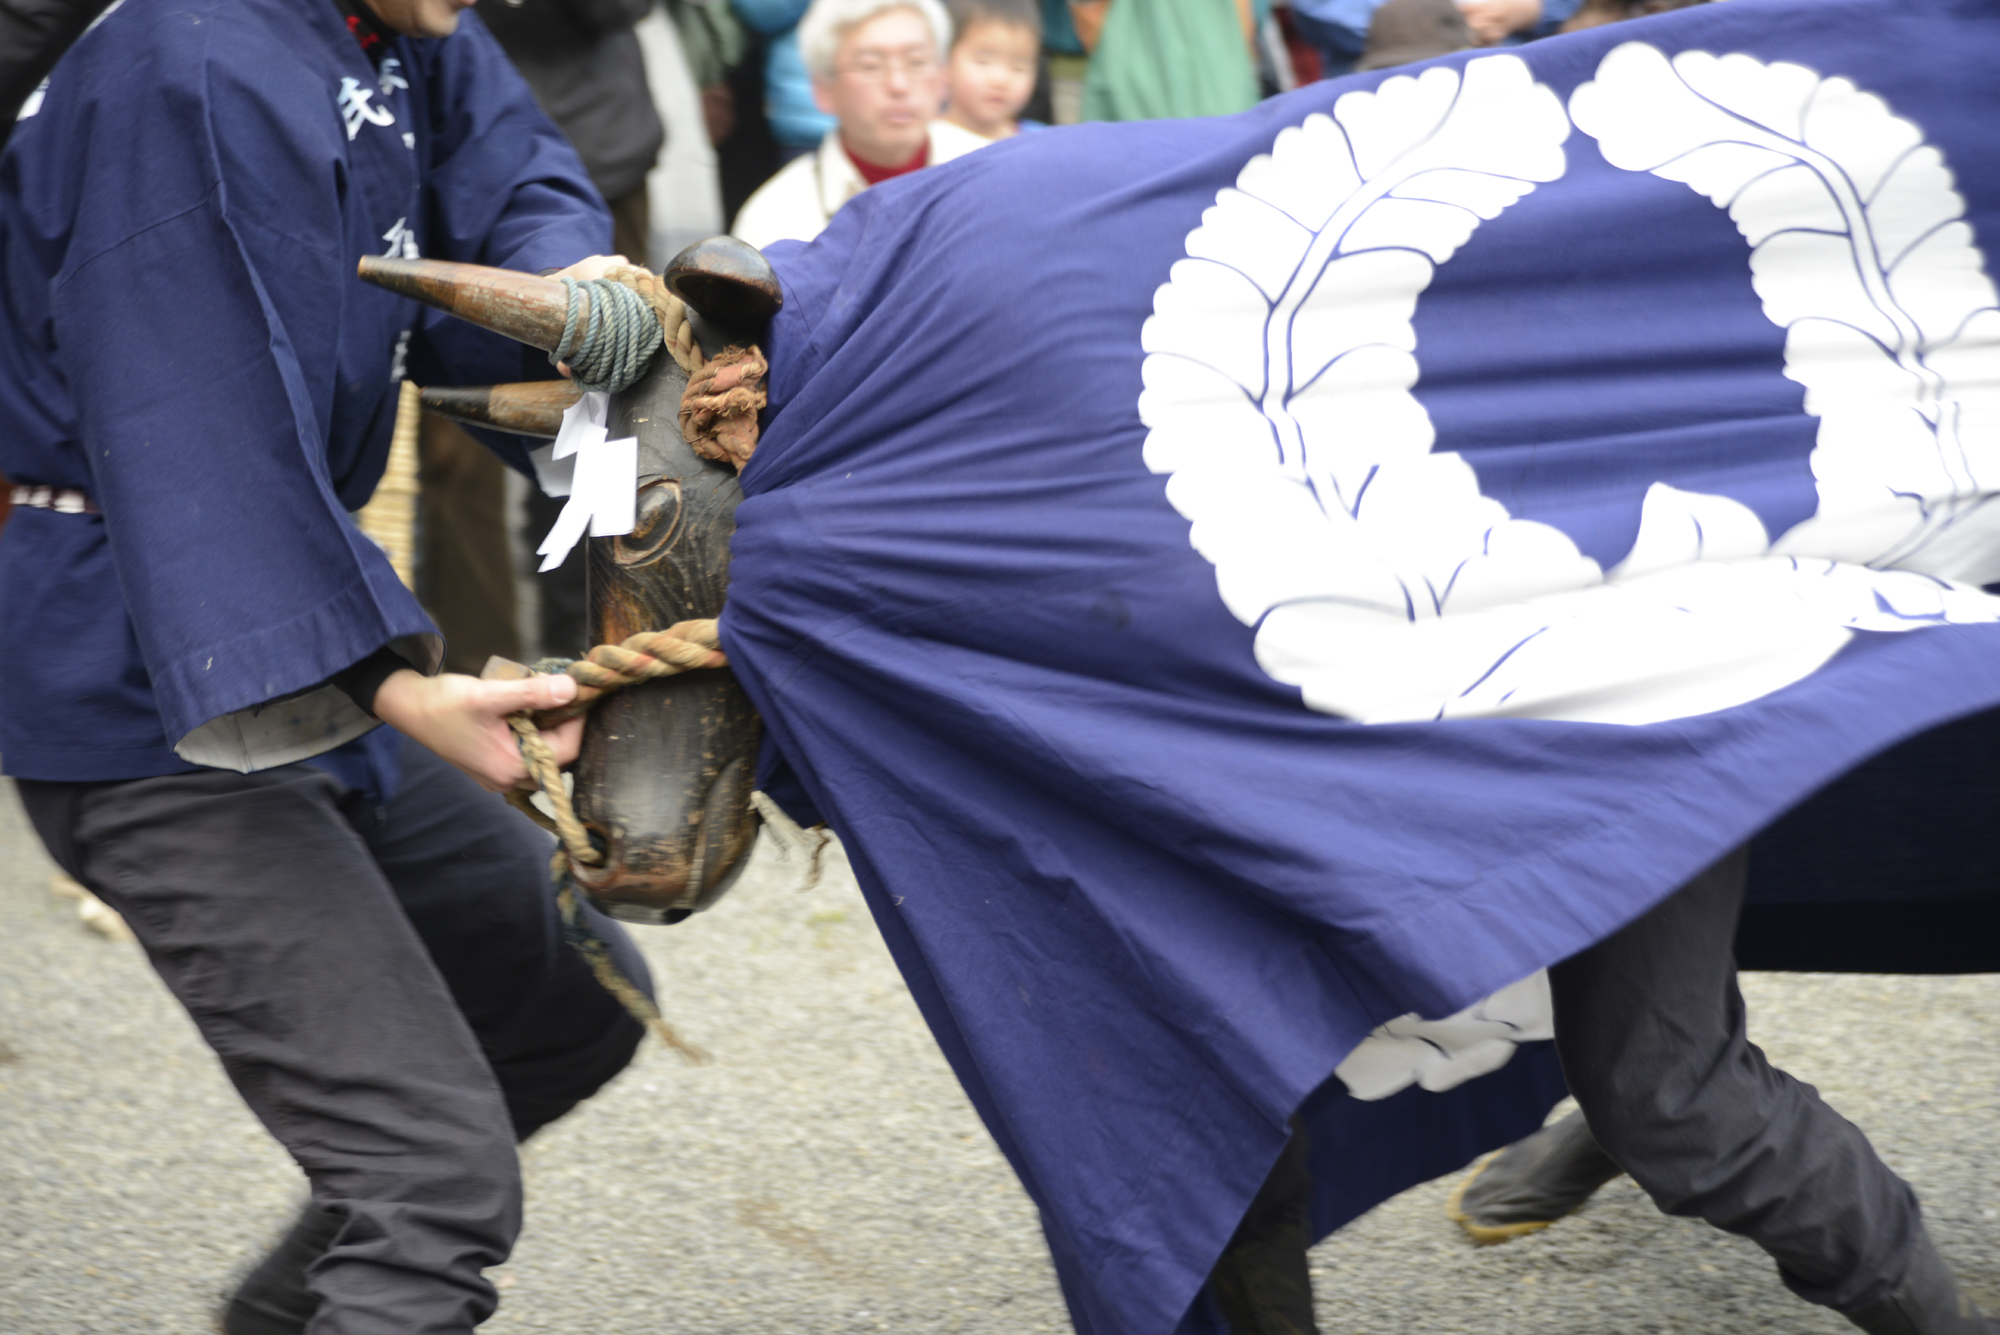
column 390, row 991
column 1650, row 1028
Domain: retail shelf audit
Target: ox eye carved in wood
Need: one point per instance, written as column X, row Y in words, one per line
column 657, row 524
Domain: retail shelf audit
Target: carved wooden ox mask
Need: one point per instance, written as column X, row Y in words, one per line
column 664, row 779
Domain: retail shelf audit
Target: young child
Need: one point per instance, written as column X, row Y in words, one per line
column 991, row 72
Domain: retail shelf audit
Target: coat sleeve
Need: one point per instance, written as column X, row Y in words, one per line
column 204, row 424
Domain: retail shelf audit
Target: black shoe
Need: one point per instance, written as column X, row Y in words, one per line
column 273, row 1298
column 1532, row 1183
column 1928, row 1301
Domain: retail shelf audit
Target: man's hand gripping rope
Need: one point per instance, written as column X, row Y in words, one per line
column 650, row 654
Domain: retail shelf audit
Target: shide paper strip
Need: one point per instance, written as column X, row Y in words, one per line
column 599, row 481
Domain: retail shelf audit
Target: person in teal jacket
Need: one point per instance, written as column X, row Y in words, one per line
column 797, row 123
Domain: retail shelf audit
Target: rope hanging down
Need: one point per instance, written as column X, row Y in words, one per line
column 596, row 952
column 609, row 667
column 685, row 646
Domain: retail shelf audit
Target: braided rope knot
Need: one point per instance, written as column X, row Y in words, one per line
column 676, row 330
column 608, row 342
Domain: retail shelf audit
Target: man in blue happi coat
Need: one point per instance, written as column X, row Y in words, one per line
column 196, row 643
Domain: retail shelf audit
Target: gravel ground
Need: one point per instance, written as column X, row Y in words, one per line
column 824, row 1174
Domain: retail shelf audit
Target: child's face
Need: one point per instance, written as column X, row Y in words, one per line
column 992, row 75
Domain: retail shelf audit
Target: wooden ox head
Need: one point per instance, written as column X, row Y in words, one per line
column 664, row 779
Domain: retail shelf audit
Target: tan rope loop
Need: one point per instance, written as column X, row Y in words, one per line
column 719, row 408
column 650, row 654
column 676, row 330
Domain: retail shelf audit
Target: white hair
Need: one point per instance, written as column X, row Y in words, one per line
column 828, row 22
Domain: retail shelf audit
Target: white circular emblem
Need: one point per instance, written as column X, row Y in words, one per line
column 1280, row 357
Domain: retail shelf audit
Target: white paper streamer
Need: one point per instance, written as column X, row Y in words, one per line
column 597, row 475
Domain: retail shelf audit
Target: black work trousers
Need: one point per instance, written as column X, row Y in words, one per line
column 1650, row 1028
column 389, row 990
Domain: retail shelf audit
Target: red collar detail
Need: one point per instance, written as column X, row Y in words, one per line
column 875, row 175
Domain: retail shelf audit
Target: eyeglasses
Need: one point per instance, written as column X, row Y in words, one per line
column 871, row 67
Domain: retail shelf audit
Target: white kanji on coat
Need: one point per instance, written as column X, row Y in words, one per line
column 356, row 108
column 402, row 242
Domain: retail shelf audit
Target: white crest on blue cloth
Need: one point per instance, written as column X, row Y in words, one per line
column 1281, row 354
column 1860, row 251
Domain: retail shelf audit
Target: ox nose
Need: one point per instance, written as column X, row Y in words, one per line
column 675, row 867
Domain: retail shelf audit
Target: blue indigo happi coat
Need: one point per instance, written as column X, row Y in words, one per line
column 1235, row 583
column 185, row 341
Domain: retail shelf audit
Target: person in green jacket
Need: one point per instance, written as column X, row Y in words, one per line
column 1159, row 59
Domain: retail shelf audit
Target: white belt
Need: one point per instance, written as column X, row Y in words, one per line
column 63, row 500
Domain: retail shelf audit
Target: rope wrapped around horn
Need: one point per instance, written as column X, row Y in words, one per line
column 606, row 331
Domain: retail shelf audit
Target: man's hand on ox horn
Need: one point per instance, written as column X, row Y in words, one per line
column 591, row 266
column 464, row 720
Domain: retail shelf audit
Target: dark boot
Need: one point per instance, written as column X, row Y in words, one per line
column 1927, row 1301
column 1532, row 1183
column 1261, row 1283
column 273, row 1298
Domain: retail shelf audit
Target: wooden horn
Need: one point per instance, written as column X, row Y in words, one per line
column 534, row 408
column 727, row 283
column 520, row 305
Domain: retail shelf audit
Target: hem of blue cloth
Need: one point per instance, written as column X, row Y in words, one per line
column 1734, row 812
column 74, row 764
